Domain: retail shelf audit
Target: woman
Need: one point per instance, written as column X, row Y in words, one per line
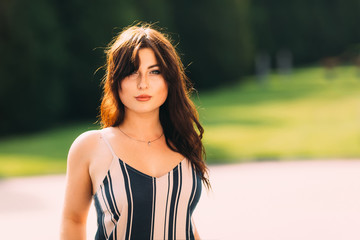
column 144, row 168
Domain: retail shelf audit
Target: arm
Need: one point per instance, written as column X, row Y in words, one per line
column 196, row 233
column 78, row 192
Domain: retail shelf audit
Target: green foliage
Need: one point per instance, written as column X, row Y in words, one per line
column 311, row 30
column 32, row 53
column 50, row 50
column 216, row 38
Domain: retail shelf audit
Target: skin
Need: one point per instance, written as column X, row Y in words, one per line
column 89, row 158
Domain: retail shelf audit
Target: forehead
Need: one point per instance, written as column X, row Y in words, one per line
column 147, row 57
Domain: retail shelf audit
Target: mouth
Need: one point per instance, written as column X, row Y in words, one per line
column 143, row 97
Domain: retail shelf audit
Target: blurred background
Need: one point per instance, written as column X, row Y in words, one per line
column 277, row 80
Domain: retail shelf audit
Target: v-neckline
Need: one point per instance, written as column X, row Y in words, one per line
column 147, row 175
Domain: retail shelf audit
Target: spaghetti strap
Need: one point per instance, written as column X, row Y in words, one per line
column 108, row 144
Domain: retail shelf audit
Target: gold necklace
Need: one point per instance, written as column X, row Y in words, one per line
column 148, row 142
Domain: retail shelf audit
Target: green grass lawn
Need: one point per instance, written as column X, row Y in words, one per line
column 39, row 153
column 300, row 116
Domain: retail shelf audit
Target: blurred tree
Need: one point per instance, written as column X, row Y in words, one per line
column 32, row 57
column 217, row 39
column 310, row 30
column 156, row 11
column 88, row 27
column 50, row 50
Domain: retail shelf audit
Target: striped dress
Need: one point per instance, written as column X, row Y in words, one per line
column 134, row 205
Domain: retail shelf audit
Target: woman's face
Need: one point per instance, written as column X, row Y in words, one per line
column 146, row 89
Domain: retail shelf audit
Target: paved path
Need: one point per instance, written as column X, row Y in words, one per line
column 307, row 200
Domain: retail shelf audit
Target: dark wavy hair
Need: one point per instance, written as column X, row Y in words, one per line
column 178, row 115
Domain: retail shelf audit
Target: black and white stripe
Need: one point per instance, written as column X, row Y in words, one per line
column 153, row 209
column 129, row 200
column 133, row 205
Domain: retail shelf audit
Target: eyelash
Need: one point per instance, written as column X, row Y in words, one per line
column 156, row 71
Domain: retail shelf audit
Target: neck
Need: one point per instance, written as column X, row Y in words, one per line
column 143, row 126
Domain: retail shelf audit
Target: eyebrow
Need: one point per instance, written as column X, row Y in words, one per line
column 152, row 66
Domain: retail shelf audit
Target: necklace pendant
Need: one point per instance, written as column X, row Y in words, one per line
column 149, row 143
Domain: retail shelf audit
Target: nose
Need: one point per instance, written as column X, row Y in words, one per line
column 143, row 82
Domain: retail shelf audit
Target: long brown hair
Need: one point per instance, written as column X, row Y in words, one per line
column 178, row 115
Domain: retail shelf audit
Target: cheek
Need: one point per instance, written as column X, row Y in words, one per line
column 124, row 97
column 165, row 90
column 124, row 90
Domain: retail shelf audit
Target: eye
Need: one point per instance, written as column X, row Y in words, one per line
column 156, row 72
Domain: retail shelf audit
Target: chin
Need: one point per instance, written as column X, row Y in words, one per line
column 145, row 110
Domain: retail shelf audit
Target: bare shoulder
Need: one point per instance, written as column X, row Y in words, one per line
column 86, row 140
column 84, row 146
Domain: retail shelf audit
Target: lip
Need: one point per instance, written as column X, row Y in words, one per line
column 143, row 97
